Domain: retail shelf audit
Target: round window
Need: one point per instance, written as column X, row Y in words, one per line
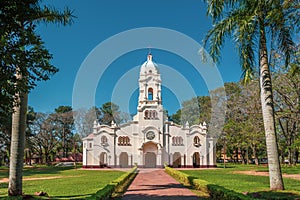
column 150, row 135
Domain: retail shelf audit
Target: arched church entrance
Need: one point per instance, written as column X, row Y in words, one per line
column 150, row 154
column 196, row 159
column 176, row 159
column 150, row 160
column 123, row 159
column 103, row 159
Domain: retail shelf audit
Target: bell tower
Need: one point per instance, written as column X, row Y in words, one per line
column 149, row 84
column 150, row 109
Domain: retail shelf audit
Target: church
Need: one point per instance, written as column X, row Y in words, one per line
column 149, row 140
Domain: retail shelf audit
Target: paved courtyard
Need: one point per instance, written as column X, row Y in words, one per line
column 156, row 184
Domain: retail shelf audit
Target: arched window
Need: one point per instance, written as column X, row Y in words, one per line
column 177, row 141
column 123, row 141
column 146, row 114
column 196, row 141
column 103, row 140
column 150, row 94
column 120, row 140
column 150, row 114
column 154, row 115
column 180, row 141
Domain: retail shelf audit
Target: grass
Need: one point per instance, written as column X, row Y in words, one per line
column 258, row 185
column 68, row 184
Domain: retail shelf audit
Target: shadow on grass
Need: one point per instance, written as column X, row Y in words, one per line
column 45, row 170
column 120, row 191
column 226, row 166
column 3, row 185
column 82, row 196
column 274, row 195
column 3, row 172
column 145, row 196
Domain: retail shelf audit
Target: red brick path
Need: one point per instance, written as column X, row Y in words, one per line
column 156, row 184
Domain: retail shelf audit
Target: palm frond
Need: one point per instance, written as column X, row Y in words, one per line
column 51, row 15
column 216, row 8
column 282, row 31
column 216, row 36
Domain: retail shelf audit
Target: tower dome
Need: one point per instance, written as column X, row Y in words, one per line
column 149, row 66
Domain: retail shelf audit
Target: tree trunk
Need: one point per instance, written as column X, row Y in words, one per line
column 290, row 155
column 224, row 154
column 17, row 144
column 247, row 156
column 267, row 104
column 255, row 156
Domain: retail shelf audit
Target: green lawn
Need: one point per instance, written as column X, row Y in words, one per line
column 248, row 183
column 69, row 183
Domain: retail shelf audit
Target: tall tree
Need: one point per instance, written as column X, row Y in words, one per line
column 84, row 120
column 24, row 62
column 287, row 96
column 63, row 117
column 249, row 23
column 109, row 112
column 44, row 138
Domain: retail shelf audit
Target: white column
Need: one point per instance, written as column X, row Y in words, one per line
column 146, row 92
column 84, row 159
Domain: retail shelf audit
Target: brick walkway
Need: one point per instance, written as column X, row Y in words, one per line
column 156, row 184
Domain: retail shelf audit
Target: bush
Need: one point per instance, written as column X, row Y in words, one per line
column 107, row 191
column 184, row 178
column 219, row 192
column 104, row 193
column 215, row 191
column 200, row 185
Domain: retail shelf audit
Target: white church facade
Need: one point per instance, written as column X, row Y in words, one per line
column 149, row 140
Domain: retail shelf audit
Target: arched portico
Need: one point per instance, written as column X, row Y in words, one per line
column 124, row 159
column 196, row 159
column 176, row 159
column 103, row 159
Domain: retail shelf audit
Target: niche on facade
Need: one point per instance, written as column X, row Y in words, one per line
column 104, row 140
column 197, row 141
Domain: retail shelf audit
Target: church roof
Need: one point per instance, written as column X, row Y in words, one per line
column 149, row 66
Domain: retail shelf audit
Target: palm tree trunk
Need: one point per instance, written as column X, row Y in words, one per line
column 267, row 104
column 17, row 144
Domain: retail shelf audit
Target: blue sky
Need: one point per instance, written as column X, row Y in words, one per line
column 99, row 20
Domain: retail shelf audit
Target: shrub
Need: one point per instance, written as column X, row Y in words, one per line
column 215, row 191
column 182, row 177
column 219, row 192
column 107, row 191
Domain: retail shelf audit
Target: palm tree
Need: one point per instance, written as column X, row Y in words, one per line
column 249, row 22
column 30, row 61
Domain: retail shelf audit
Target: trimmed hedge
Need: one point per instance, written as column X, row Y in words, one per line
column 184, row 178
column 107, row 191
column 198, row 184
column 215, row 191
column 219, row 192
